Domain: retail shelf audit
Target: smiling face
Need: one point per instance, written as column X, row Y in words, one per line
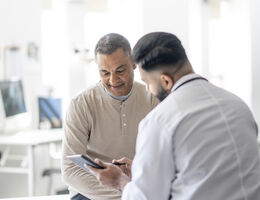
column 116, row 72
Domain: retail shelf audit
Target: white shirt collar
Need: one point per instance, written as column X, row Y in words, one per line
column 184, row 79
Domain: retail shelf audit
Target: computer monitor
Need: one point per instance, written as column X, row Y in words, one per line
column 13, row 114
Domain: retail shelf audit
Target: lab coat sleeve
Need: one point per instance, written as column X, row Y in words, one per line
column 153, row 166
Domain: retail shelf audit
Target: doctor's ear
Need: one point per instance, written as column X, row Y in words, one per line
column 167, row 82
column 134, row 66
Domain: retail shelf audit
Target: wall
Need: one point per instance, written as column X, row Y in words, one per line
column 20, row 24
column 255, row 58
column 167, row 15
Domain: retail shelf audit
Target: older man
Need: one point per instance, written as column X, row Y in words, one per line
column 102, row 121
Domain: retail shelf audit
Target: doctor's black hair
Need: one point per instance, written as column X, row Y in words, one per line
column 109, row 43
column 159, row 49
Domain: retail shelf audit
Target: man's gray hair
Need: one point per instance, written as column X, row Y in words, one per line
column 109, row 43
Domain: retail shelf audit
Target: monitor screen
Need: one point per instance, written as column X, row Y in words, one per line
column 13, row 113
column 12, row 97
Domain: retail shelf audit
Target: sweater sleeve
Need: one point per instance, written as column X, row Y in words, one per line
column 77, row 130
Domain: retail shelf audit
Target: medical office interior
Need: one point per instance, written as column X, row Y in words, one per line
column 46, row 58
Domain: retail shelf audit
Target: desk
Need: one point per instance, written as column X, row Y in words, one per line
column 56, row 197
column 29, row 139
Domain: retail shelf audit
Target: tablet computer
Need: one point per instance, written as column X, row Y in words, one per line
column 80, row 160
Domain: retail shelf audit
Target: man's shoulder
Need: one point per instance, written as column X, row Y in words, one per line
column 86, row 100
column 90, row 92
column 167, row 113
column 143, row 95
column 140, row 90
column 139, row 85
column 87, row 97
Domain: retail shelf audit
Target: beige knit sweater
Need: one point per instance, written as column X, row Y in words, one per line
column 101, row 127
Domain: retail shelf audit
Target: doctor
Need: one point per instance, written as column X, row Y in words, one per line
column 200, row 142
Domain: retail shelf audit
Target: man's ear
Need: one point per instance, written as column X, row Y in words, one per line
column 133, row 63
column 167, row 82
column 134, row 66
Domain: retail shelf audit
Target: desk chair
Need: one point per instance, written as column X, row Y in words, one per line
column 55, row 154
column 50, row 173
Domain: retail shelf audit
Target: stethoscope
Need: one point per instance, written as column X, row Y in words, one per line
column 193, row 79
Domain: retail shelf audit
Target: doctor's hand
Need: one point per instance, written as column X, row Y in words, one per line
column 125, row 166
column 111, row 176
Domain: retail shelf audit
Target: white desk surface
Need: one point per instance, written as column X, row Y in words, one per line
column 56, row 197
column 32, row 137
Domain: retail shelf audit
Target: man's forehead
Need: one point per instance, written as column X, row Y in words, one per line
column 112, row 61
column 104, row 68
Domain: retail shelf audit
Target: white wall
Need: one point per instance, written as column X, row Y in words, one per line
column 230, row 48
column 167, row 15
column 255, row 58
column 20, row 23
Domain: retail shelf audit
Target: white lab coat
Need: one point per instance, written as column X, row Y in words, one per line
column 200, row 143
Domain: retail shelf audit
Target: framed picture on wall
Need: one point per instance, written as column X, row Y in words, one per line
column 12, row 62
column 33, row 51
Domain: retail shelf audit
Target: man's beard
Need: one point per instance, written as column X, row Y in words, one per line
column 162, row 94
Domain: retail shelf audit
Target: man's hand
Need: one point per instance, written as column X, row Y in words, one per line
column 110, row 176
column 126, row 165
